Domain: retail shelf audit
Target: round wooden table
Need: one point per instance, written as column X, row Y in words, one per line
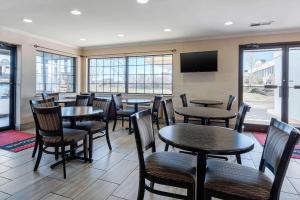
column 206, row 114
column 206, row 103
column 136, row 102
column 205, row 140
column 77, row 112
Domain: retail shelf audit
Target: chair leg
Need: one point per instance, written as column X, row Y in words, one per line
column 35, row 145
column 115, row 123
column 190, row 193
column 157, row 123
column 122, row 121
column 56, row 153
column 227, row 123
column 63, row 161
column 37, row 163
column 85, row 149
column 129, row 126
column 90, row 147
column 152, row 185
column 166, row 147
column 141, row 191
column 107, row 138
column 238, row 159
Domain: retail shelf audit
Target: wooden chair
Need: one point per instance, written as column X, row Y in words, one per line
column 52, row 134
column 232, row 181
column 43, row 104
column 82, row 100
column 155, row 110
column 92, row 96
column 97, row 124
column 230, row 102
column 244, row 108
column 169, row 114
column 239, row 123
column 166, row 168
column 184, row 100
column 46, row 95
column 120, row 112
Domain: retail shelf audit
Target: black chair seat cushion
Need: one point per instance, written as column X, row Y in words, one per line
column 92, row 126
column 125, row 112
column 171, row 166
column 70, row 136
column 237, row 180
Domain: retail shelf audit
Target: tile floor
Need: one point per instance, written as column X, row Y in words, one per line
column 112, row 176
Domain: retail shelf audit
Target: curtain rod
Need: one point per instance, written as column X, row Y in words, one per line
column 64, row 52
column 141, row 52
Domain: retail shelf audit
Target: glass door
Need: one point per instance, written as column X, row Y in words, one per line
column 262, row 84
column 294, row 86
column 7, row 86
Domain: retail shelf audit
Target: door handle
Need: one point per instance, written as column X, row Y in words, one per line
column 271, row 86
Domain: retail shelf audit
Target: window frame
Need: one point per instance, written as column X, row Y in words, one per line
column 43, row 75
column 127, row 74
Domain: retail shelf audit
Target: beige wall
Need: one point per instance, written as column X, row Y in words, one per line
column 202, row 85
column 210, row 85
column 26, row 77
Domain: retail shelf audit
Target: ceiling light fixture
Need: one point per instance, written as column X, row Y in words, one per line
column 228, row 23
column 142, row 1
column 167, row 30
column 75, row 12
column 121, row 35
column 82, row 39
column 27, row 20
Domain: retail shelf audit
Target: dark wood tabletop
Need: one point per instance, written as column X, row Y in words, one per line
column 205, row 113
column 79, row 111
column 136, row 101
column 206, row 102
column 206, row 139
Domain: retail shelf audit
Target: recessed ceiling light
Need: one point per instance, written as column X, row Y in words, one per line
column 75, row 12
column 82, row 39
column 229, row 23
column 27, row 20
column 121, row 35
column 167, row 30
column 142, row 1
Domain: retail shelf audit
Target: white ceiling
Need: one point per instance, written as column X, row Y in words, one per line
column 102, row 20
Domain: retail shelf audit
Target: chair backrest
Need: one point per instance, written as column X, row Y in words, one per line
column 117, row 100
column 49, row 102
column 278, row 149
column 240, row 118
column 49, row 121
column 231, row 100
column 105, row 105
column 184, row 100
column 41, row 104
column 92, row 96
column 169, row 111
column 46, row 95
column 82, row 100
column 144, row 134
column 156, row 103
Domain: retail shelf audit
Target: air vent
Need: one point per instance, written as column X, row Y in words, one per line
column 261, row 24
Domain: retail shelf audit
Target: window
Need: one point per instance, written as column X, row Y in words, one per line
column 107, row 75
column 133, row 74
column 55, row 73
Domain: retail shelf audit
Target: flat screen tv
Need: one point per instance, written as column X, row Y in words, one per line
column 206, row 61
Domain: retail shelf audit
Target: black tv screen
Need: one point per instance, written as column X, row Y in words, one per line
column 206, row 61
